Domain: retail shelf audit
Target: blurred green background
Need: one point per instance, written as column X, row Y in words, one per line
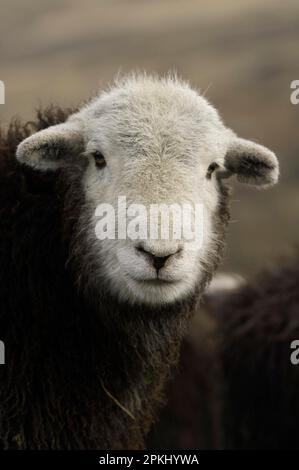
column 244, row 55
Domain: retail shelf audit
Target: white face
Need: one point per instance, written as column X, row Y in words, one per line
column 158, row 150
column 151, row 141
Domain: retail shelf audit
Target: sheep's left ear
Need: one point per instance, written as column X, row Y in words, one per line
column 52, row 148
column 252, row 163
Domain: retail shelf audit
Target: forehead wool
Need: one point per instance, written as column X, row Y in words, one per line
column 148, row 107
column 150, row 118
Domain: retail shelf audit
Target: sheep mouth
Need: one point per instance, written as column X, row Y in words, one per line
column 156, row 282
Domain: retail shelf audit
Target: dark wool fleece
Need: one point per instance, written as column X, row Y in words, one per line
column 82, row 371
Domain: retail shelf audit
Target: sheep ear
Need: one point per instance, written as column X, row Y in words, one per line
column 52, row 148
column 252, row 163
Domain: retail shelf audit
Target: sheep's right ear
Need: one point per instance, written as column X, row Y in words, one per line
column 52, row 148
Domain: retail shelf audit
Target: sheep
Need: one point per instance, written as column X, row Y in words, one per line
column 92, row 328
column 259, row 322
column 248, row 397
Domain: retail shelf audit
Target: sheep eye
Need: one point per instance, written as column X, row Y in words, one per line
column 99, row 160
column 212, row 167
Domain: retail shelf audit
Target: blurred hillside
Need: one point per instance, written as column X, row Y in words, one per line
column 243, row 55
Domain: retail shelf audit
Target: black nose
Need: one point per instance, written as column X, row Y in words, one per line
column 158, row 261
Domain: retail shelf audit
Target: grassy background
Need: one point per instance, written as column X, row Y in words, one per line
column 244, row 55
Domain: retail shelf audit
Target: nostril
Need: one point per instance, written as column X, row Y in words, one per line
column 159, row 261
column 141, row 249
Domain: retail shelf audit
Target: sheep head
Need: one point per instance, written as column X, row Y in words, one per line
column 145, row 143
